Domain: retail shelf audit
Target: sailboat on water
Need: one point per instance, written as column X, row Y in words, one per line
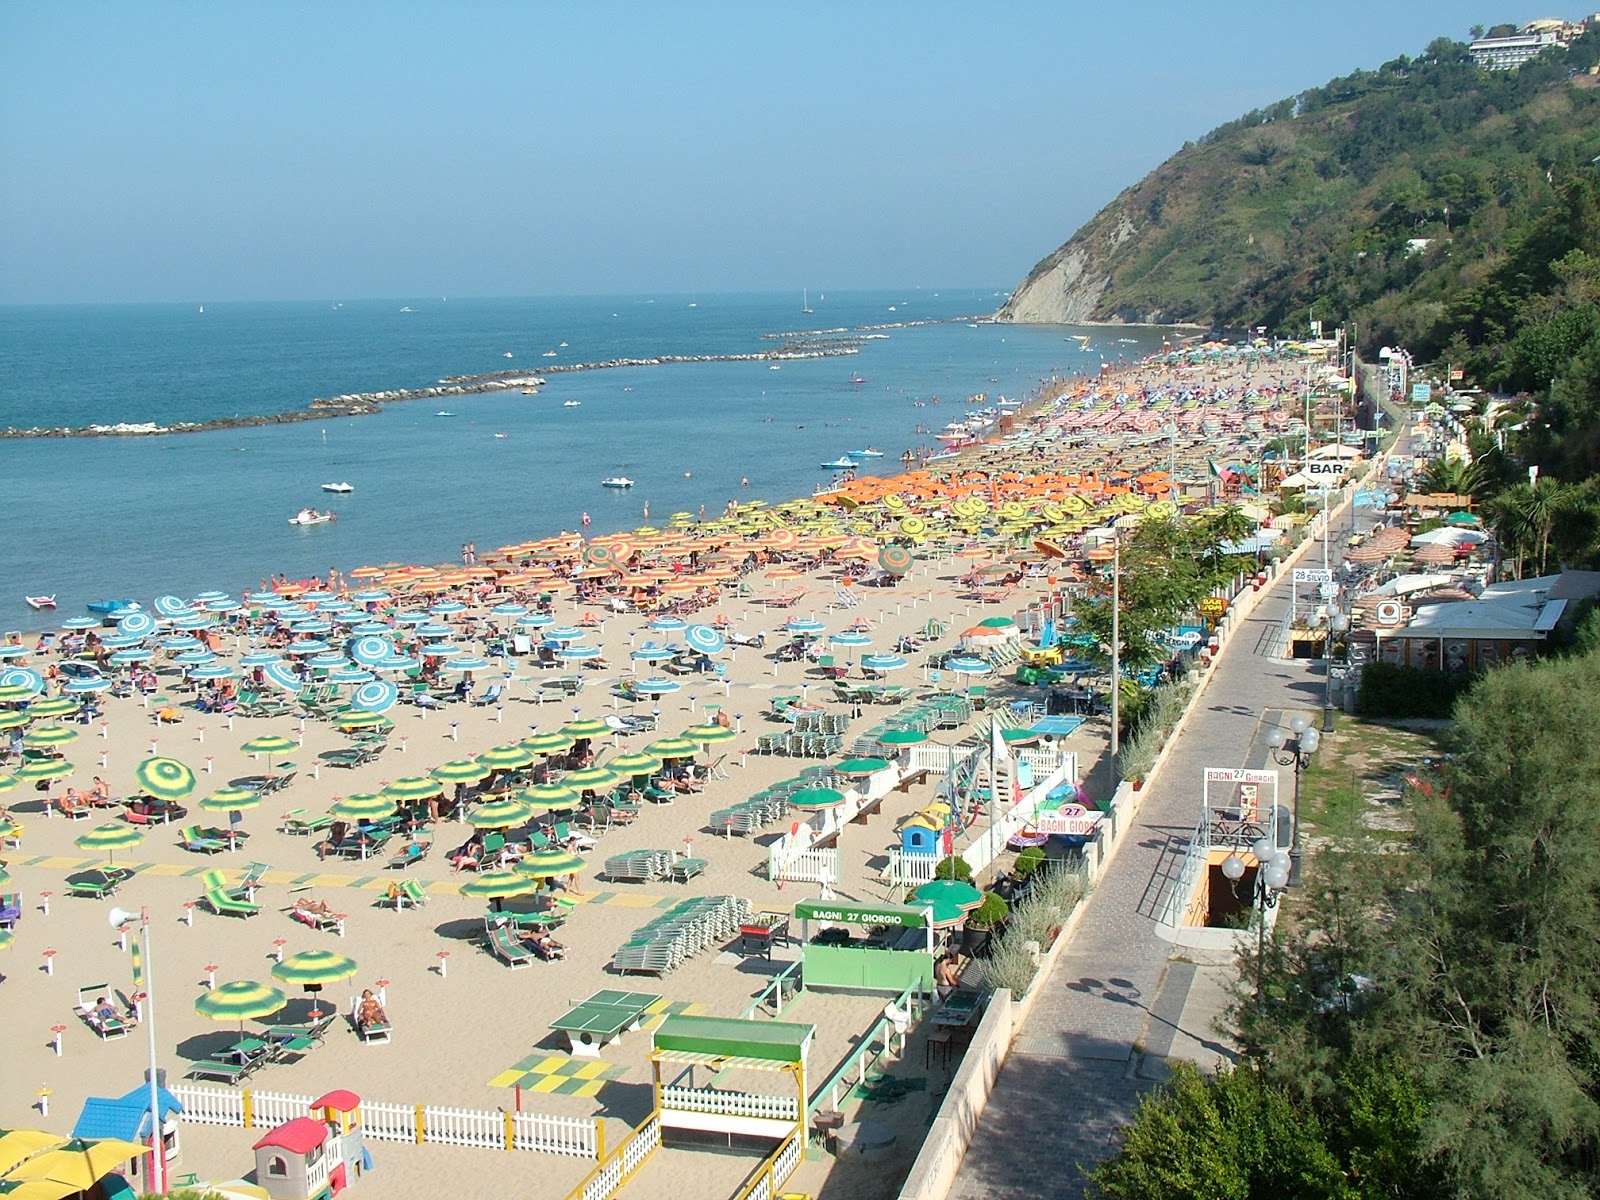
column 805, row 301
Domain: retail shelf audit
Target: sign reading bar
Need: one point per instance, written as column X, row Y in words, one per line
column 1313, row 575
column 1239, row 775
column 1213, row 606
column 1330, row 467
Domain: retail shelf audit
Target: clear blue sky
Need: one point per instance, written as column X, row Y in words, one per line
column 214, row 151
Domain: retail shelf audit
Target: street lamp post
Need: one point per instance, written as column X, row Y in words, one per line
column 1292, row 749
column 1116, row 654
column 1338, row 622
column 158, row 1147
column 1272, row 877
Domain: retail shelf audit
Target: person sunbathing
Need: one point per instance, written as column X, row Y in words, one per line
column 369, row 1013
column 312, row 912
column 546, row 947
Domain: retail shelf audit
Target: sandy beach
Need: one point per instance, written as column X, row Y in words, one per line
column 467, row 1031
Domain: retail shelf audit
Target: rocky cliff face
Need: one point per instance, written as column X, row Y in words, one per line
column 1070, row 286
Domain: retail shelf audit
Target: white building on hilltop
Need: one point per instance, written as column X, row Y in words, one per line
column 1508, row 53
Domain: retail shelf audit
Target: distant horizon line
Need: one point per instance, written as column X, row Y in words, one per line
column 692, row 295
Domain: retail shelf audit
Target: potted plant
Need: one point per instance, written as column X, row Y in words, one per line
column 953, row 867
column 1028, row 861
column 983, row 921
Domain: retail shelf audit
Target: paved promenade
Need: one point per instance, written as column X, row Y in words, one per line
column 1118, row 1004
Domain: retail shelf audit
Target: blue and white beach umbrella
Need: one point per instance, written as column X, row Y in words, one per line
column 466, row 662
column 377, row 696
column 81, row 687
column 209, row 597
column 311, row 625
column 704, row 639
column 16, row 650
column 883, row 662
column 137, row 624
column 371, row 596
column 434, row 629
column 967, row 666
column 260, row 658
column 170, row 606
column 306, row 646
column 651, row 652
column 803, row 625
column 370, row 627
column 24, row 677
column 181, row 641
column 349, row 675
column 313, row 597
column 565, row 633
column 354, row 617
column 223, row 606
column 328, row 660
column 850, row 638
column 79, row 623
column 509, row 610
column 668, row 623
column 397, row 662
column 213, row 670
column 195, row 658
column 413, row 618
column 447, row 606
column 656, row 686
column 129, row 656
column 337, row 605
column 371, row 649
column 536, row 620
column 192, row 621
column 579, row 653
column 439, row 650
column 281, row 674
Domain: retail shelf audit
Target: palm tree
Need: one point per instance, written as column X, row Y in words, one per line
column 1525, row 517
column 1452, row 475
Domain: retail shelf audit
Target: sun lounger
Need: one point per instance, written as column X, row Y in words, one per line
column 322, row 922
column 223, row 1072
column 504, row 945
column 97, row 884
column 222, row 900
column 406, row 892
column 192, row 838
column 10, row 909
column 409, row 854
column 297, row 823
column 106, row 1026
column 350, row 757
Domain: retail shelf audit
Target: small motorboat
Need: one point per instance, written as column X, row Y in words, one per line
column 552, row 353
column 571, row 403
column 341, row 488
column 105, row 607
column 842, row 463
column 508, row 354
column 443, row 413
column 854, row 378
column 869, row 452
column 310, row 516
column 38, row 603
column 617, row 481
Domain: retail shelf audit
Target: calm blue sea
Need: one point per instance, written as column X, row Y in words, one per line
column 94, row 517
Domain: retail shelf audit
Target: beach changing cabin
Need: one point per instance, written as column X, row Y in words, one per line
column 317, row 1157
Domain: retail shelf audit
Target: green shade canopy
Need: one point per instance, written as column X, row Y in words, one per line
column 634, row 764
column 549, row 864
column 948, row 891
column 61, row 706
column 816, row 798
column 902, row 737
column 314, row 968
column 164, row 778
column 49, row 737
column 591, row 779
column 506, row 758
column 12, row 692
column 268, row 743
column 549, row 796
column 359, row 718
column 12, row 718
column 946, row 914
column 590, row 727
column 547, row 743
column 45, row 768
column 109, row 837
column 710, row 733
column 1018, row 735
column 363, row 806
column 861, row 766
column 241, row 1000
column 678, row 747
column 232, row 799
column 459, row 770
column 8, row 782
column 497, row 885
column 412, row 787
column 499, row 814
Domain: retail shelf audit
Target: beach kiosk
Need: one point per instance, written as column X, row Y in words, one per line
column 776, row 1049
column 869, row 947
column 317, row 1157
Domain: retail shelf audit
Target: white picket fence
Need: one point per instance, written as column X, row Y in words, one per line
column 909, row 870
column 737, row 1104
column 610, row 1175
column 803, row 866
column 381, row 1121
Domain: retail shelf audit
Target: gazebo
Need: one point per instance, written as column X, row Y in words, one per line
column 683, row 1043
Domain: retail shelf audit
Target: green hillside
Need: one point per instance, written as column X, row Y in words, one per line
column 1316, row 208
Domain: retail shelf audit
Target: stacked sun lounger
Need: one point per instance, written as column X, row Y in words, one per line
column 639, row 864
column 754, row 814
column 679, row 933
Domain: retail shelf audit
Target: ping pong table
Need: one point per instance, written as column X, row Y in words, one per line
column 602, row 1019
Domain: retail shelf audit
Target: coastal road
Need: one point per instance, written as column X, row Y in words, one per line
column 1116, row 1004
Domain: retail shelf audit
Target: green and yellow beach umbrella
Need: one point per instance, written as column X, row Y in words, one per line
column 363, row 806
column 314, row 969
column 5, row 877
column 8, row 828
column 547, row 743
column 271, row 745
column 412, row 788
column 459, row 770
column 677, row 747
column 44, row 768
column 550, row 864
column 109, row 838
column 506, row 758
column 358, row 718
column 49, row 737
column 164, row 778
column 591, row 779
column 499, row 814
column 11, row 693
column 710, row 734
column 634, row 764
column 6, row 939
column 232, row 799
column 497, row 885
column 7, row 783
column 241, row 1000
column 60, row 706
column 13, row 718
column 589, row 727
column 549, row 797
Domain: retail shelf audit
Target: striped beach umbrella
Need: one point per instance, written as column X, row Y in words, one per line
column 171, row 606
column 49, row 737
column 549, row 797
column 215, row 670
column 260, row 658
column 589, row 727
column 281, row 675
column 129, row 656
column 164, row 778
column 375, row 696
column 967, row 666
column 240, row 1000
column 635, row 764
column 591, row 779
column 44, row 768
column 565, row 633
column 704, row 639
column 314, row 969
column 550, row 864
column 803, row 625
column 578, row 653
column 547, row 743
column 656, row 685
column 232, row 799
column 896, row 560
column 651, row 652
column 13, row 718
column 883, row 662
column 459, row 770
column 109, row 838
column 498, row 885
column 673, row 747
column 270, row 744
column 19, row 683
column 137, row 624
column 499, row 814
column 506, row 758
column 60, row 706
column 358, row 718
column 363, row 806
column 814, row 799
column 668, row 623
column 412, row 788
column 710, row 733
